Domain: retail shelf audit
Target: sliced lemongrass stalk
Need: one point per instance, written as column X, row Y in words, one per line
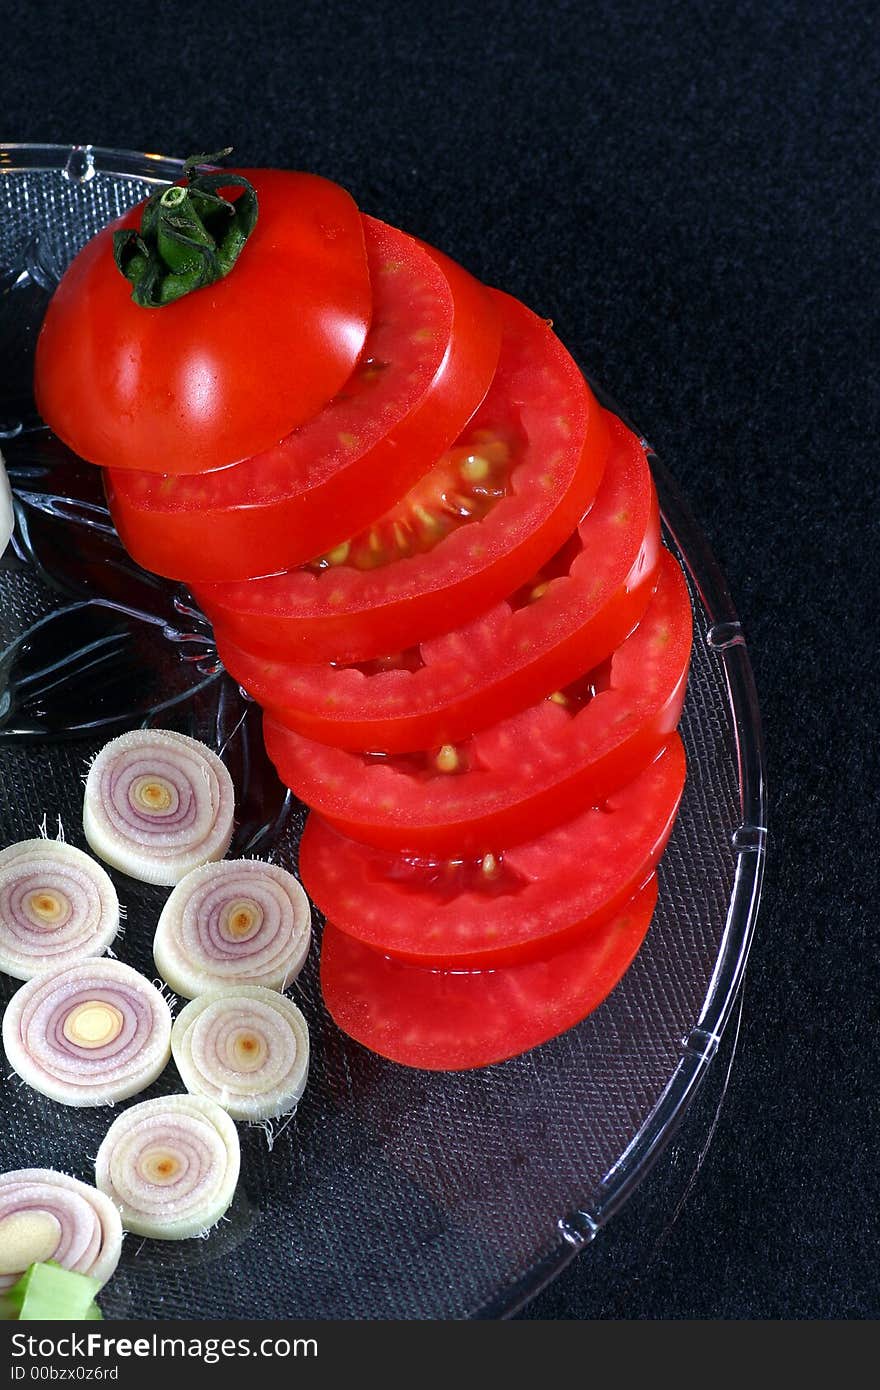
column 170, row 1166
column 46, row 1215
column 246, row 1048
column 7, row 516
column 239, row 922
column 57, row 907
column 89, row 1035
column 158, row 804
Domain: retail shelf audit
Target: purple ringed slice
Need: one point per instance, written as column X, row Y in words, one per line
column 170, row 1166
column 57, row 907
column 238, row 922
column 245, row 1048
column 46, row 1215
column 157, row 805
column 92, row 1034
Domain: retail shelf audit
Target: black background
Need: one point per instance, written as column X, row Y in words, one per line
column 689, row 191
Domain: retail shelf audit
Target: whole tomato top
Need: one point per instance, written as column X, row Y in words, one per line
column 228, row 369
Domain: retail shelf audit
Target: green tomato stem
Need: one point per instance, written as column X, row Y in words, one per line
column 191, row 235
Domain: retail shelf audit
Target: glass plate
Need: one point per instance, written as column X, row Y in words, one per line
column 393, row 1193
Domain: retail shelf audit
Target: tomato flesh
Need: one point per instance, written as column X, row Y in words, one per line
column 541, row 407
column 530, row 898
column 426, row 365
column 521, row 775
column 442, row 1020
column 225, row 371
column 462, row 488
column 571, row 617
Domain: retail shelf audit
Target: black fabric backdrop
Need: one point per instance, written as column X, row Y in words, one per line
column 689, row 192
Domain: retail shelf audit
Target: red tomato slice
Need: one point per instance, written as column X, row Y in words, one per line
column 513, row 905
column 443, row 1020
column 426, row 365
column 225, row 371
column 590, row 597
column 542, row 439
column 522, row 775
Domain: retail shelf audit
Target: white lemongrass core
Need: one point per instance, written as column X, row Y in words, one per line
column 46, row 1215
column 26, row 1238
column 247, row 1048
column 158, row 804
column 153, row 795
column 170, row 1166
column 57, row 907
column 93, row 1024
column 239, row 922
column 89, row 1035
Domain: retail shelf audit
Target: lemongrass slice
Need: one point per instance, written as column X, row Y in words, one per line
column 239, row 922
column 7, row 517
column 246, row 1048
column 89, row 1035
column 57, row 907
column 46, row 1215
column 158, row 804
column 170, row 1166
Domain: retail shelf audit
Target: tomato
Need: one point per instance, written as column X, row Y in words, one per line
column 444, row 1020
column 426, row 365
column 513, row 905
column 567, row 619
column 531, row 460
column 522, row 775
column 228, row 369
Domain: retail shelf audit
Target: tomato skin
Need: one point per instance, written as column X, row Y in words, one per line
column 456, row 1020
column 226, row 370
column 504, row 660
column 339, row 472
column 523, row 774
column 543, row 893
column 344, row 614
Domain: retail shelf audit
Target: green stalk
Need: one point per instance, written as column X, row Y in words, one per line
column 48, row 1293
column 191, row 235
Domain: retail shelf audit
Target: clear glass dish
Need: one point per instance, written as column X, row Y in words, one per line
column 392, row 1194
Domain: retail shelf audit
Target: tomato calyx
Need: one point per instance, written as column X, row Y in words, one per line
column 191, row 235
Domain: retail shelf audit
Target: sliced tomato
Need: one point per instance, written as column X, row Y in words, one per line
column 449, row 1020
column 531, row 460
column 426, row 365
column 522, row 775
column 225, row 371
column 515, row 904
column 569, row 617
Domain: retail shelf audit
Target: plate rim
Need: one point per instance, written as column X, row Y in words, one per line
column 93, row 159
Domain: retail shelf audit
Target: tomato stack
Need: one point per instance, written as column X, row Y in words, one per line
column 435, row 561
